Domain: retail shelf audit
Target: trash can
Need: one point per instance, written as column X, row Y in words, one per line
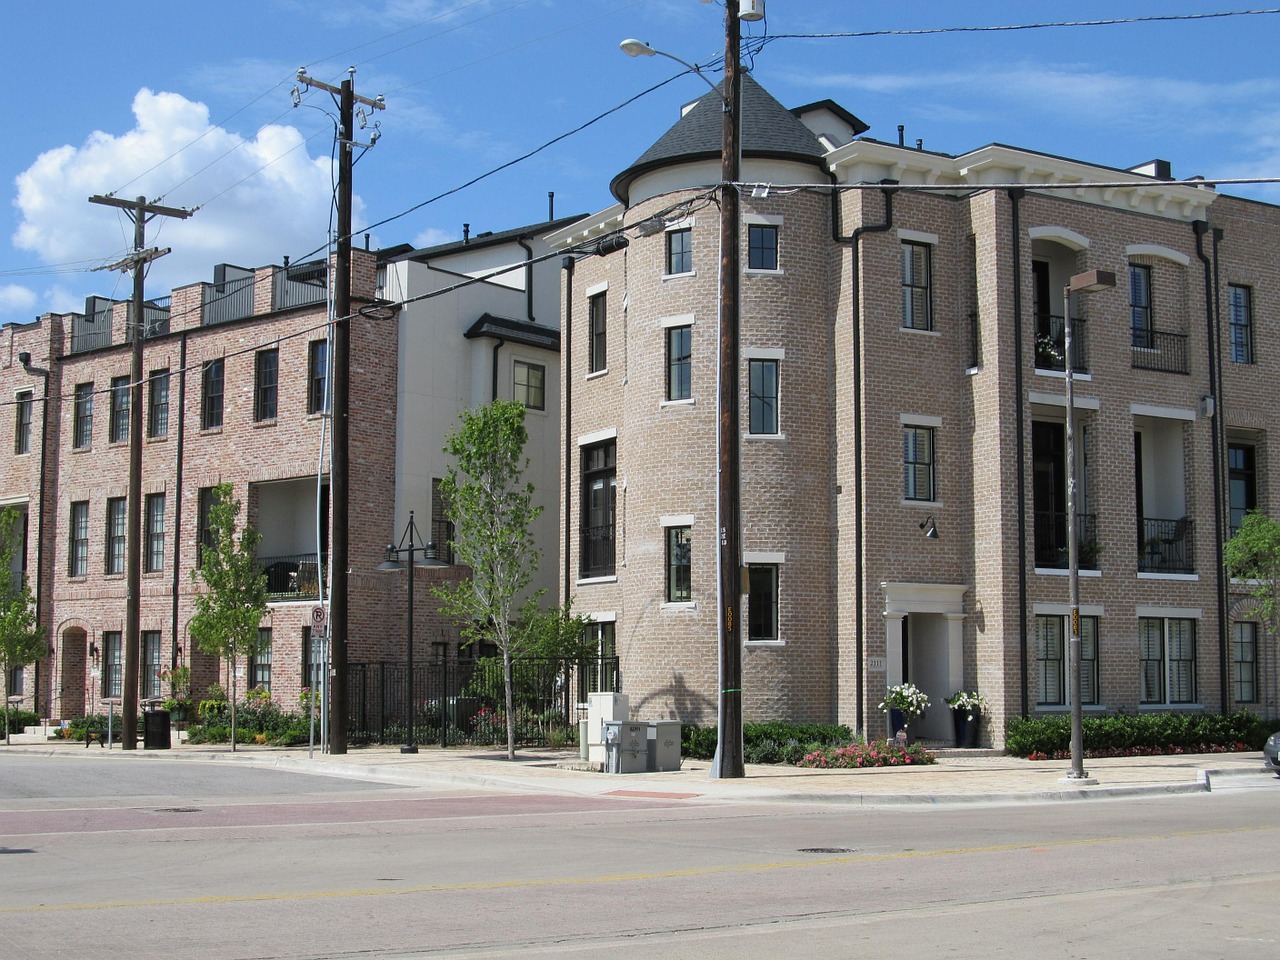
column 626, row 747
column 664, row 745
column 155, row 730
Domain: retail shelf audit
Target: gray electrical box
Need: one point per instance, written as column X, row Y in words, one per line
column 626, row 747
column 664, row 745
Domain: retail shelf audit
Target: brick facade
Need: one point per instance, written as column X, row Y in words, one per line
column 865, row 599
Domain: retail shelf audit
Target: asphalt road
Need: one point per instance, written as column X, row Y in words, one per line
column 169, row 859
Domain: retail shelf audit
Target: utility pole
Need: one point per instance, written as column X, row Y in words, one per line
column 729, row 750
column 339, row 472
column 140, row 211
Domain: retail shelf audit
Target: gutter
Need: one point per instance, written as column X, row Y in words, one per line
column 177, row 507
column 1020, row 424
column 528, row 279
column 566, row 365
column 854, row 241
column 1212, row 318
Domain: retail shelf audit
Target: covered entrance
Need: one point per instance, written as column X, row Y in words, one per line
column 924, row 645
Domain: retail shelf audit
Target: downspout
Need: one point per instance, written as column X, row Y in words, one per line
column 566, row 362
column 1200, row 228
column 854, row 240
column 496, row 347
column 40, row 528
column 528, row 279
column 1015, row 227
column 177, row 507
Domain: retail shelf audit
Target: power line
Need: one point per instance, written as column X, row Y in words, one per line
column 926, row 31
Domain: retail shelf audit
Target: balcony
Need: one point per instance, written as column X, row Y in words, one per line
column 1051, row 540
column 1163, row 352
column 299, row 285
column 230, row 296
column 294, row 576
column 1051, row 344
column 1166, row 546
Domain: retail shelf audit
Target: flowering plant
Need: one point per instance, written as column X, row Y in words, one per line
column 971, row 702
column 906, row 698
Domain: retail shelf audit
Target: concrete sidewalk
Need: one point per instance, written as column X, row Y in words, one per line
column 957, row 777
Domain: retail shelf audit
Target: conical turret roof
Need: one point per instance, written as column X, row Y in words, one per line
column 769, row 130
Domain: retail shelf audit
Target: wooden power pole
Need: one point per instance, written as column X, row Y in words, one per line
column 339, row 472
column 140, row 211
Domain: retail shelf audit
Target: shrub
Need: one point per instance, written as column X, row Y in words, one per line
column 1137, row 735
column 776, row 741
column 880, row 753
column 18, row 719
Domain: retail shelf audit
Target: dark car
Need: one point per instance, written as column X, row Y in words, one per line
column 1271, row 753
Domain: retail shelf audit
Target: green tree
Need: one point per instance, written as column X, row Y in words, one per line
column 1253, row 555
column 230, row 609
column 491, row 509
column 21, row 638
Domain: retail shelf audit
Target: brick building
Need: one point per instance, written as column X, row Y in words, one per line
column 237, row 392
column 903, row 425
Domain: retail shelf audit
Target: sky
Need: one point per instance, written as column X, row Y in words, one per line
column 190, row 105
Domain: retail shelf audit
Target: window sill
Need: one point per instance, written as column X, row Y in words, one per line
column 922, row 504
column 1184, row 577
column 160, row 439
column 269, row 422
column 679, row 276
column 590, row 581
column 923, row 333
column 211, row 430
column 686, row 402
column 763, row 644
column 1163, row 707
column 1062, row 374
column 680, row 605
column 596, row 374
column 764, row 436
column 1060, row 572
column 761, row 271
column 1062, row 708
column 82, row 449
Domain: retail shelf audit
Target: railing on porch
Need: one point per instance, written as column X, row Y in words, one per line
column 295, row 576
column 1051, row 540
column 466, row 695
column 1051, row 344
column 1163, row 352
column 1166, row 546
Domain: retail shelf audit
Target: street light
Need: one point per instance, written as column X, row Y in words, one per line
column 391, row 564
column 1090, row 282
column 729, row 761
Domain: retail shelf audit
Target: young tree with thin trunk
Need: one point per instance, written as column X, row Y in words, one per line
column 491, row 509
column 21, row 638
column 230, row 609
column 1253, row 556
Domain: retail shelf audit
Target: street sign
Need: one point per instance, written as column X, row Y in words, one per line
column 318, row 615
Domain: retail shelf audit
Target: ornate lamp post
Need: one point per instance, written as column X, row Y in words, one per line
column 410, row 547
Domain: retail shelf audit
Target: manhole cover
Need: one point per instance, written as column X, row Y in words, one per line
column 826, row 850
column 177, row 810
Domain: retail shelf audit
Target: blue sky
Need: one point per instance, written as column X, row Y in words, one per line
column 190, row 103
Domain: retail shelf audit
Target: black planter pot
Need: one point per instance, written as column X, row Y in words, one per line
column 898, row 721
column 966, row 730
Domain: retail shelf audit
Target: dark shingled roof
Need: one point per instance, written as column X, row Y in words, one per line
column 515, row 331
column 769, row 130
column 479, row 240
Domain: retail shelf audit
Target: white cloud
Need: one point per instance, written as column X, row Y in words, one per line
column 433, row 236
column 259, row 199
column 14, row 297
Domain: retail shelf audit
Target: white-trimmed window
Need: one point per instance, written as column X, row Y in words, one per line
column 260, row 661
column 1051, row 661
column 150, row 686
column 1140, row 318
column 530, row 380
column 1167, row 659
column 599, row 509
column 762, row 602
column 598, row 320
column 917, row 285
column 679, row 251
column 679, row 552
column 762, row 246
column 1244, row 661
column 679, row 362
column 918, row 462
column 763, row 374
column 1240, row 300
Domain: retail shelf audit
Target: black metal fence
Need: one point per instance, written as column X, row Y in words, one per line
column 462, row 700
